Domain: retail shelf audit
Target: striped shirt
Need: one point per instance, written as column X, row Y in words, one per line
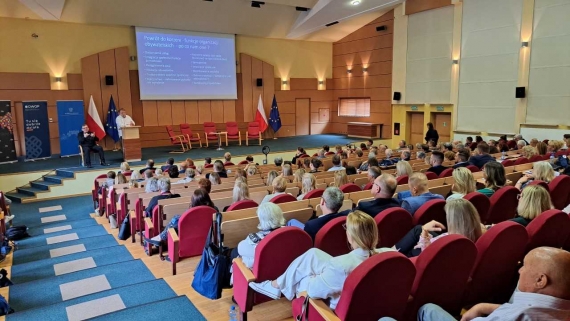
column 531, row 306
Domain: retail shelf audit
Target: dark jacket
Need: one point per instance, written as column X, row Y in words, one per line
column 144, row 169
column 223, row 174
column 463, row 164
column 437, row 169
column 481, row 160
column 87, row 141
column 377, row 205
column 521, row 220
column 154, row 201
column 432, row 135
column 313, row 226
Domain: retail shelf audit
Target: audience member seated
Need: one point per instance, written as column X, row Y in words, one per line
column 182, row 168
column 120, row 179
column 173, row 171
column 331, row 202
column 110, row 181
column 321, row 275
column 336, row 164
column 88, row 142
column 468, row 141
column 383, row 191
column 372, row 161
column 462, row 218
column 542, row 171
column 164, row 188
column 279, row 185
column 315, row 164
column 532, row 202
column 544, row 293
column 298, row 175
column 300, row 151
column 286, row 170
column 481, row 156
column 566, row 140
column 158, row 172
column 136, row 177
column 149, row 165
column 449, row 156
column 359, row 152
column 388, row 161
column 251, row 169
column 463, row 185
column 533, row 142
column 363, row 146
column 326, row 148
column 494, row 175
column 190, row 163
column 403, row 168
column 520, row 144
column 418, row 194
column 271, row 177
column 421, row 155
column 205, row 184
column 278, row 161
column 240, row 172
column 373, row 173
column 436, row 160
column 169, row 163
column 406, row 155
column 207, row 162
column 125, row 168
column 240, row 193
column 493, row 149
column 554, row 146
column 307, row 164
column 308, row 183
column 340, row 178
column 321, row 154
column 350, row 170
column 425, row 148
column 190, row 176
column 402, row 145
column 219, row 169
column 541, row 148
column 215, row 178
column 151, row 185
column 228, row 158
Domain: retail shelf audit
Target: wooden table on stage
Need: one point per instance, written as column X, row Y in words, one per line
column 364, row 130
column 131, row 144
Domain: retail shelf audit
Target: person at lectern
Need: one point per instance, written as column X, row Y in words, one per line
column 88, row 142
column 123, row 120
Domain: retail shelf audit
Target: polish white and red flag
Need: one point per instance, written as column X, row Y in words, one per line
column 94, row 121
column 260, row 116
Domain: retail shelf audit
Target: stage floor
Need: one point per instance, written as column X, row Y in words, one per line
column 161, row 154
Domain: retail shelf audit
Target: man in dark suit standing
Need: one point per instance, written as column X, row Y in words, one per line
column 88, row 142
column 383, row 190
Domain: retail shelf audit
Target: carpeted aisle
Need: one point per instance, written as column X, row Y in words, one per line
column 70, row 268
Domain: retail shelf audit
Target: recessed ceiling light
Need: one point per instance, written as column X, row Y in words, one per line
column 355, row 2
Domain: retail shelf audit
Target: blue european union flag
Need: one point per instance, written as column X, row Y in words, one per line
column 111, row 126
column 274, row 118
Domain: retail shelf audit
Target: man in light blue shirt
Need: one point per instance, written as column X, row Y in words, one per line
column 336, row 164
column 418, row 194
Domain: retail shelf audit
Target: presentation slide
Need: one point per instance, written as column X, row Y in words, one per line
column 185, row 65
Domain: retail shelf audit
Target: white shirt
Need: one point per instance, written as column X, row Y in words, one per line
column 123, row 122
column 336, row 168
column 531, row 306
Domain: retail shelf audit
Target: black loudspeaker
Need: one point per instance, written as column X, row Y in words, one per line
column 520, row 92
column 259, row 82
column 109, row 80
column 397, row 95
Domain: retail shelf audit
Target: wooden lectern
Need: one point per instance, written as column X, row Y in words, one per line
column 131, row 144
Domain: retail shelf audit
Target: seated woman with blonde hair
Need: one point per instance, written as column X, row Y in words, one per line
column 125, row 168
column 270, row 177
column 320, row 275
column 215, row 178
column 533, row 201
column 308, row 184
column 542, row 171
column 240, row 193
column 528, row 152
column 287, row 171
column 279, row 185
column 403, row 168
column 241, row 173
column 340, row 178
column 298, row 175
column 464, row 183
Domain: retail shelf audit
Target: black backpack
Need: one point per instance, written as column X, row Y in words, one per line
column 17, row 232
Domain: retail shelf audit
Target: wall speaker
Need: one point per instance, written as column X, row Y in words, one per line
column 109, row 80
column 259, row 82
column 520, row 92
column 397, row 95
column 381, row 28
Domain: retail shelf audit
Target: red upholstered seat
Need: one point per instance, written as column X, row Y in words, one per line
column 233, row 131
column 368, row 186
column 473, row 168
column 229, row 164
column 522, row 160
column 208, row 165
column 243, row 204
column 177, row 140
column 253, row 132
column 431, row 175
column 329, row 153
column 316, row 193
column 393, row 224
column 187, row 131
column 508, row 162
column 209, row 128
column 481, row 203
column 551, row 228
column 350, row 188
column 561, row 152
column 442, row 272
column 95, row 191
column 431, row 210
column 503, row 205
column 546, row 157
column 389, row 294
column 402, row 180
column 283, row 198
column 512, row 144
column 446, row 173
column 498, row 252
column 243, row 162
column 535, row 158
column 272, row 257
column 560, row 191
column 473, row 146
column 331, row 238
column 540, row 183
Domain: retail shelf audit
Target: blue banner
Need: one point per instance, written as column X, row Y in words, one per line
column 70, row 117
column 36, row 129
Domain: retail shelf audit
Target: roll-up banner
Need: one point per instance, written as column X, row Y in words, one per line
column 70, row 118
column 7, row 146
column 36, row 130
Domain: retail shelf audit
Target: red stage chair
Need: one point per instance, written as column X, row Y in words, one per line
column 498, row 252
column 535, row 158
column 193, row 228
column 95, row 190
column 481, row 203
column 316, row 193
column 431, row 210
column 442, row 272
column 177, row 140
column 233, row 132
column 473, row 168
column 393, row 224
column 252, row 132
column 521, row 160
column 209, row 128
column 540, row 183
column 331, row 238
column 560, row 191
column 283, row 198
column 365, row 282
column 350, row 188
column 402, row 180
column 431, row 175
column 551, row 228
column 273, row 255
column 503, row 205
column 243, row 204
column 446, row 173
column 187, row 131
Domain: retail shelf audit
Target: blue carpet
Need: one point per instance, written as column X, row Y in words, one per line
column 45, row 292
column 22, row 256
column 132, row 295
column 44, row 269
column 74, row 208
column 39, row 230
column 83, row 232
column 178, row 308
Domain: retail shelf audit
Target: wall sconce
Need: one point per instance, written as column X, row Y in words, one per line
column 284, row 82
column 365, row 69
column 525, row 44
column 349, row 71
column 321, row 82
column 455, row 61
column 57, row 79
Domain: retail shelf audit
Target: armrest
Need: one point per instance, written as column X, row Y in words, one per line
column 148, row 227
column 323, row 310
column 173, row 236
column 173, row 248
column 245, row 271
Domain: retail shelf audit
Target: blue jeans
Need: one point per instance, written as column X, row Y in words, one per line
column 173, row 224
column 296, row 223
column 429, row 312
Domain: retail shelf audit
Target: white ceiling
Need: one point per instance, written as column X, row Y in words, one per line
column 275, row 19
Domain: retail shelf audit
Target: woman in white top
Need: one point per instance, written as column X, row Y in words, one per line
column 321, row 275
column 308, row 183
column 464, row 183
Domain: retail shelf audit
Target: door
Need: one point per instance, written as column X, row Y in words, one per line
column 302, row 116
column 416, row 128
column 442, row 123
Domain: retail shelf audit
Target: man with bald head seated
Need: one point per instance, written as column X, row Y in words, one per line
column 383, row 190
column 544, row 293
column 418, row 194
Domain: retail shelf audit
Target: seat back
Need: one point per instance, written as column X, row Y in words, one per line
column 402, row 180
column 393, row 224
column 473, row 168
column 316, row 193
column 369, row 280
column 368, row 186
column 560, row 191
column 503, row 205
column 512, row 144
column 186, row 130
column 442, row 272
column 431, row 210
column 331, row 238
column 446, row 173
column 283, row 198
column 522, row 160
column 253, row 129
column 232, row 128
column 350, row 188
column 498, row 252
column 243, row 204
column 508, row 162
column 243, row 162
column 561, row 153
column 193, row 228
column 3, row 205
column 540, row 183
column 210, row 127
column 551, row 228
column 170, row 132
column 535, row 158
column 481, row 203
column 431, row 175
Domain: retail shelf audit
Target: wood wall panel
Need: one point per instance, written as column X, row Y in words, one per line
column 74, row 82
column 374, row 69
column 204, row 112
column 217, row 111
column 91, row 80
column 191, row 108
column 362, row 57
column 245, row 62
column 383, row 41
column 287, row 119
column 304, row 84
column 178, row 112
column 107, row 67
column 369, row 30
column 164, row 112
column 150, row 113
column 123, row 82
column 257, row 92
column 229, row 110
column 239, row 101
column 415, row 6
column 19, row 81
column 136, row 103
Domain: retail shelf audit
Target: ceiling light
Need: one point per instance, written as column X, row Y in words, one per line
column 355, row 2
